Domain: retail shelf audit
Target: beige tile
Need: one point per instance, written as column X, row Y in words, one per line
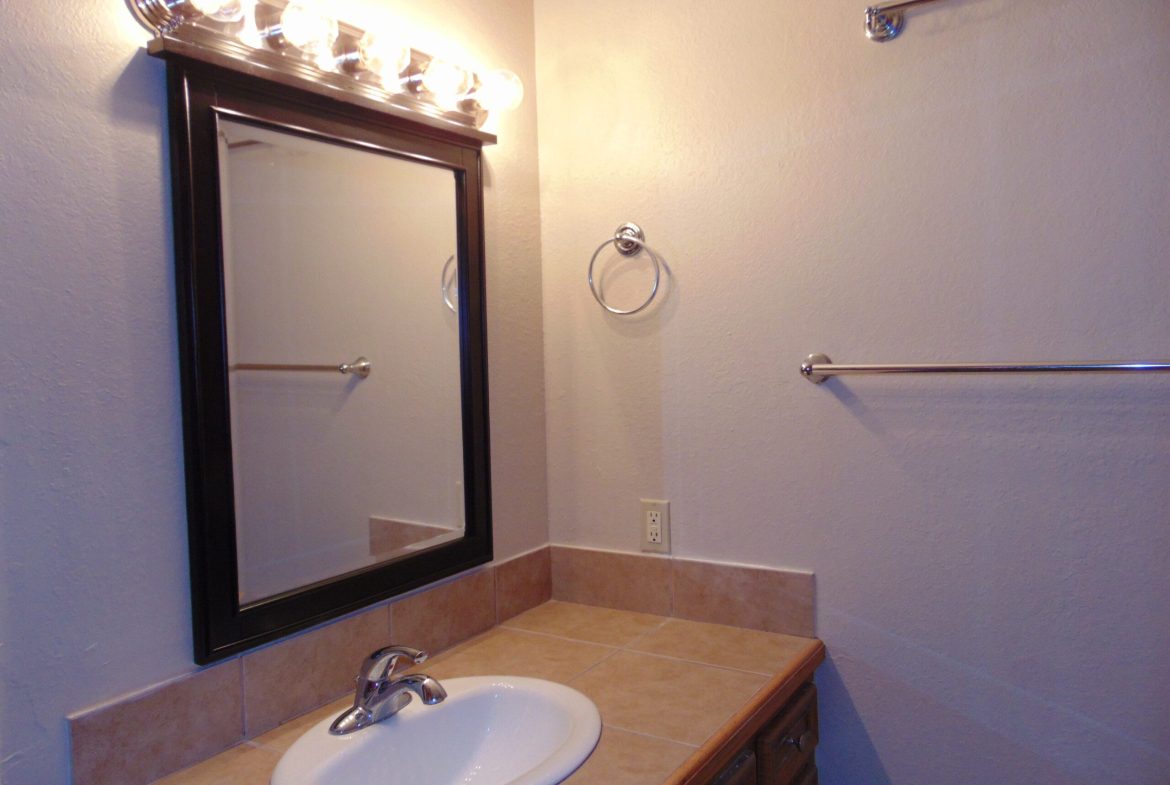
column 514, row 653
column 523, row 583
column 624, row 758
column 281, row 738
column 762, row 599
column 587, row 623
column 144, row 737
column 295, row 675
column 450, row 613
column 717, row 644
column 679, row 701
column 614, row 580
column 243, row 765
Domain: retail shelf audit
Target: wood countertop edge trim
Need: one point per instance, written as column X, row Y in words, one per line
column 707, row 761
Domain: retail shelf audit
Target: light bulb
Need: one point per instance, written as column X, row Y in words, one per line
column 499, row 91
column 446, row 81
column 249, row 32
column 386, row 58
column 220, row 10
column 307, row 26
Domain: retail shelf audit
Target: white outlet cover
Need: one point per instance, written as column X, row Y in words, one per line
column 662, row 507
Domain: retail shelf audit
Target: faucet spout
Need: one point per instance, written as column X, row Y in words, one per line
column 428, row 690
column 379, row 696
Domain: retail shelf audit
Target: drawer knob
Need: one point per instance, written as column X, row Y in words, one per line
column 805, row 742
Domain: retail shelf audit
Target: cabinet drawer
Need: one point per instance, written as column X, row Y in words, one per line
column 786, row 745
column 741, row 771
column 808, row 776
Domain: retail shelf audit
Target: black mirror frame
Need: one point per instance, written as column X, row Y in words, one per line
column 197, row 91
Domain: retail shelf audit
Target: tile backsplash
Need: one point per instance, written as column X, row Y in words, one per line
column 146, row 735
column 139, row 738
column 136, row 739
column 754, row 597
column 285, row 680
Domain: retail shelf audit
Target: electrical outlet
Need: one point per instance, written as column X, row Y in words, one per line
column 655, row 525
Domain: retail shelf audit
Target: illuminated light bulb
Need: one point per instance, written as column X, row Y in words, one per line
column 249, row 33
column 307, row 26
column 324, row 58
column 221, row 10
column 386, row 58
column 445, row 81
column 499, row 91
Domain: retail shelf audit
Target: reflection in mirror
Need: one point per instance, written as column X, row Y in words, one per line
column 333, row 253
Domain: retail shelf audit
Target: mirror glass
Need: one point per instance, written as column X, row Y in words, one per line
column 334, row 255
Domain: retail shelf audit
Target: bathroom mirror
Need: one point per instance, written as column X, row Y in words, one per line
column 330, row 282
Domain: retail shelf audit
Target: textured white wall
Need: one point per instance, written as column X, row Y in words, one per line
column 991, row 553
column 93, row 564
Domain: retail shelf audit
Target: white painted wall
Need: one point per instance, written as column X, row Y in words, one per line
column 991, row 553
column 93, row 561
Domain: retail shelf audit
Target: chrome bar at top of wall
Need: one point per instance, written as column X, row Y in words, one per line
column 818, row 367
column 886, row 22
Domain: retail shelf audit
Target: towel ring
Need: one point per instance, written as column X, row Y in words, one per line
column 445, row 286
column 629, row 240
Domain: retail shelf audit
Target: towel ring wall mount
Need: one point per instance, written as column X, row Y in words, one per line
column 629, row 240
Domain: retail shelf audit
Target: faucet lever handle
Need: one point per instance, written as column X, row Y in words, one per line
column 382, row 663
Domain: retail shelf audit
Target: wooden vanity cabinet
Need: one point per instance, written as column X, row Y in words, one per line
column 783, row 752
column 786, row 746
column 741, row 771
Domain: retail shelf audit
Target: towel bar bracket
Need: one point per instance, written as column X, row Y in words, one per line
column 886, row 22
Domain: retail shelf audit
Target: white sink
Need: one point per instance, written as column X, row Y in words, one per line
column 491, row 730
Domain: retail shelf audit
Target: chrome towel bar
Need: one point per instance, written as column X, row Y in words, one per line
column 818, row 367
column 359, row 367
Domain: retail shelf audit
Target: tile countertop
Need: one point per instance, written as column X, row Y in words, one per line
column 677, row 698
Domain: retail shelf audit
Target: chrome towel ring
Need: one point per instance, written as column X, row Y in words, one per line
column 446, row 287
column 629, row 240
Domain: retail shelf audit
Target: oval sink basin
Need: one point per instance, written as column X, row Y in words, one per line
column 491, row 730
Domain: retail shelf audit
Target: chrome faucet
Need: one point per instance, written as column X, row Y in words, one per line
column 379, row 695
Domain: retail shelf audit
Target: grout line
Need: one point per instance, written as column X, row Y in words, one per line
column 612, row 653
column 650, row 735
column 700, row 662
column 628, row 646
column 670, row 588
column 613, row 646
column 243, row 703
column 495, row 594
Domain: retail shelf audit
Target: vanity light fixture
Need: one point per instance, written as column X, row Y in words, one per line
column 298, row 42
column 446, row 82
column 499, row 91
column 378, row 55
column 220, row 11
column 305, row 27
